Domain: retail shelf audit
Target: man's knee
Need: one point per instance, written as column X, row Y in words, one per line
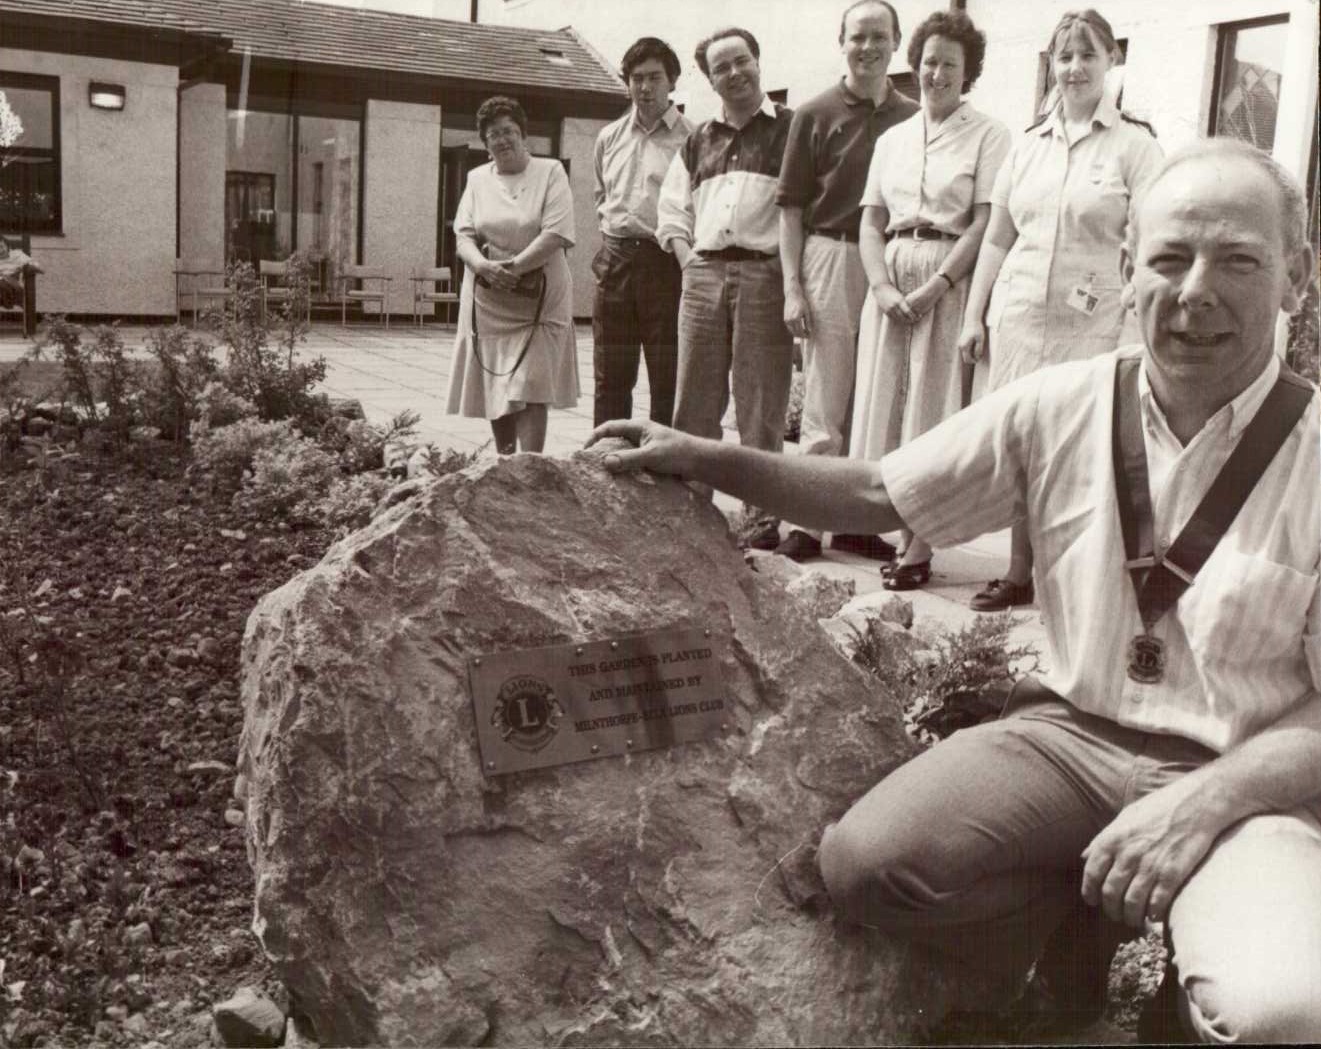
column 871, row 883
column 1262, row 1003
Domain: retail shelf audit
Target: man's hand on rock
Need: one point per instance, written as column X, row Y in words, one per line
column 659, row 449
column 1139, row 862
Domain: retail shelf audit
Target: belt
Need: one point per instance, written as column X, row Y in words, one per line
column 848, row 236
column 634, row 243
column 925, row 233
column 737, row 255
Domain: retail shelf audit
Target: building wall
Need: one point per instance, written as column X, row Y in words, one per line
column 1168, row 77
column 577, row 139
column 116, row 252
column 202, row 174
column 402, row 192
column 799, row 39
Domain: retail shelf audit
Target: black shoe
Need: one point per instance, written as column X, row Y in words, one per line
column 1159, row 1022
column 799, row 546
column 906, row 577
column 872, row 546
column 765, row 535
column 1001, row 594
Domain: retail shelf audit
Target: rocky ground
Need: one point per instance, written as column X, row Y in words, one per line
column 125, row 892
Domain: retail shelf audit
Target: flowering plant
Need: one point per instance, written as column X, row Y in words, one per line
column 11, row 129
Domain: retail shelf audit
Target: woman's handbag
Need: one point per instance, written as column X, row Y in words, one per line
column 531, row 285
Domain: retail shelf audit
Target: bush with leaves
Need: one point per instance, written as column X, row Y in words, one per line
column 271, row 377
column 222, row 456
column 97, row 379
column 186, row 366
column 360, row 445
column 289, row 481
column 962, row 679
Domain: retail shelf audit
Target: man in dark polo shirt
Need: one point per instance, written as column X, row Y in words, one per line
column 825, row 167
column 636, row 307
column 719, row 218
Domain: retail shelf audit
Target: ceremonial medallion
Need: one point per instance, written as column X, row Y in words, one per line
column 1146, row 659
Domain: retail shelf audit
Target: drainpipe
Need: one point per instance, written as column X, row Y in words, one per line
column 472, row 11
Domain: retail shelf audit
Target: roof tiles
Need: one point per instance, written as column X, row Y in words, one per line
column 309, row 32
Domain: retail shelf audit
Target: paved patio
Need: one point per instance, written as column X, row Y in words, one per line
column 406, row 367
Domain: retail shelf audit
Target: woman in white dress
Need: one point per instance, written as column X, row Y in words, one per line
column 924, row 210
column 515, row 352
column 1049, row 265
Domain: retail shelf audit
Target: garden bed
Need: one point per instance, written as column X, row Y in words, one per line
column 125, row 893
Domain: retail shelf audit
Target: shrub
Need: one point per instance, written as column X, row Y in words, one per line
column 288, row 480
column 186, row 367
column 359, row 445
column 222, row 456
column 349, row 502
column 963, row 679
column 97, row 379
column 271, row 377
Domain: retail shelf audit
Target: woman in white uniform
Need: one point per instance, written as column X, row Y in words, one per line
column 515, row 353
column 924, row 211
column 1049, row 264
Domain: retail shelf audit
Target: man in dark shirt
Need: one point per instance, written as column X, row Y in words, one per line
column 825, row 167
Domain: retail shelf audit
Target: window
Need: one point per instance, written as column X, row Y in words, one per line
column 293, row 184
column 1249, row 59
column 30, row 153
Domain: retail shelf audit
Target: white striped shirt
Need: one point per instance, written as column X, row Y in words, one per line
column 719, row 191
column 1243, row 645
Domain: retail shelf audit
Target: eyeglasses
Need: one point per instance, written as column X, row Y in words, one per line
column 739, row 64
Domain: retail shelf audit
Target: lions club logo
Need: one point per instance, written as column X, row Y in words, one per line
column 527, row 714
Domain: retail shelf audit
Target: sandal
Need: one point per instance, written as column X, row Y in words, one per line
column 908, row 577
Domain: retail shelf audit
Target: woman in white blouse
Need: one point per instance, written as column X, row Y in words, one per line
column 925, row 208
column 1049, row 265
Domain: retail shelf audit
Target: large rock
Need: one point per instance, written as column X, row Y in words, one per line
column 664, row 897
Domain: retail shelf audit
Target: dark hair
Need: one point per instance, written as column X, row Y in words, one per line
column 894, row 16
column 721, row 34
column 646, row 48
column 956, row 26
column 1092, row 19
column 498, row 106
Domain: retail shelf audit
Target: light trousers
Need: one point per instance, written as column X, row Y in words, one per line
column 973, row 848
column 731, row 330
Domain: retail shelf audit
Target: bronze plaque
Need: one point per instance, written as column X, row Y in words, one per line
column 538, row 707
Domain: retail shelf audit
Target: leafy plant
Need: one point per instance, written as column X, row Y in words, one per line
column 271, row 377
column 962, row 679
column 186, row 367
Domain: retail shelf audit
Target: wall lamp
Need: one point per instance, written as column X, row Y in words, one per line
column 105, row 96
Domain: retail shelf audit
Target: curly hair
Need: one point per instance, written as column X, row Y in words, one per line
column 648, row 47
column 955, row 26
column 498, row 106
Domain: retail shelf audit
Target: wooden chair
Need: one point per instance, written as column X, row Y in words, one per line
column 275, row 287
column 426, row 293
column 364, row 277
column 201, row 282
column 19, row 272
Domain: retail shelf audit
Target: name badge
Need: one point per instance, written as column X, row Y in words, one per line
column 1083, row 299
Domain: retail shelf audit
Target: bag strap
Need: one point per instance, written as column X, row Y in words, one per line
column 527, row 341
column 1160, row 582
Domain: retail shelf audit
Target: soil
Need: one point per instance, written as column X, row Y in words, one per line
column 125, row 892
